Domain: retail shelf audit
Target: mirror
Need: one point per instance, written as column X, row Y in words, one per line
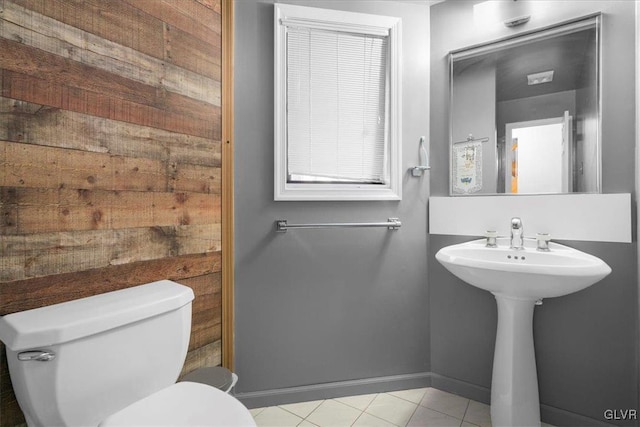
column 525, row 113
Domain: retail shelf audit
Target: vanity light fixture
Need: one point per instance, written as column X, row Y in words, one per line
column 538, row 78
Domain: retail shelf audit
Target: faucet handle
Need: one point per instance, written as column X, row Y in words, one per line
column 516, row 223
column 543, row 241
column 492, row 237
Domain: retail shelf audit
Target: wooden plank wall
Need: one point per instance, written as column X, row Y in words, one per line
column 110, row 157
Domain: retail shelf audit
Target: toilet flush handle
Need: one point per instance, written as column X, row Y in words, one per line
column 37, row 355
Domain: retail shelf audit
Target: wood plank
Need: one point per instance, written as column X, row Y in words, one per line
column 192, row 17
column 205, row 308
column 212, row 280
column 112, row 20
column 8, row 211
column 204, row 285
column 41, row 210
column 27, row 88
column 69, row 42
column 136, row 30
column 192, row 53
column 205, row 332
column 55, row 69
column 203, row 357
column 136, row 174
column 44, row 254
column 37, row 292
column 29, row 123
column 212, row 4
column 197, row 238
column 198, row 179
column 195, row 9
column 207, row 318
column 34, row 166
column 187, row 209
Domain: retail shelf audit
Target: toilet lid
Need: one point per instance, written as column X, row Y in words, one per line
column 183, row 404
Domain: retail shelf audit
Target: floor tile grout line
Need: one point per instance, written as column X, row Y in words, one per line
column 407, row 400
column 347, row 405
column 303, row 418
column 372, row 400
column 449, row 415
column 367, row 407
column 351, row 406
column 356, row 420
column 464, row 416
column 315, row 409
column 336, row 401
column 286, row 410
column 261, row 410
column 466, row 408
column 417, row 405
column 412, row 415
column 433, row 409
column 309, row 422
column 397, row 397
column 371, row 415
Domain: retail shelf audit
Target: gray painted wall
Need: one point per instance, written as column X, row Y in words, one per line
column 338, row 307
column 586, row 343
column 473, row 90
column 325, row 306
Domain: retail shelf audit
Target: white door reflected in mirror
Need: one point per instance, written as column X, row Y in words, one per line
column 539, row 156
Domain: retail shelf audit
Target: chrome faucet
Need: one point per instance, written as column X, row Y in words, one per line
column 517, row 240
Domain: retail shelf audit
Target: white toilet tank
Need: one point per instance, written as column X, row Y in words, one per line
column 105, row 352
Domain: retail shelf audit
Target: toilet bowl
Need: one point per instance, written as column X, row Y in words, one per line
column 184, row 403
column 112, row 360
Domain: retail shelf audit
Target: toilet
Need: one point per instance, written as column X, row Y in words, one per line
column 112, row 360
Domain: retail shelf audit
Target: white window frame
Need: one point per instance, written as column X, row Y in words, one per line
column 348, row 22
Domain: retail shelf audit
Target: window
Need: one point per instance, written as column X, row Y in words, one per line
column 337, row 102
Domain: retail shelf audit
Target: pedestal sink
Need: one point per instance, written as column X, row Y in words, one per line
column 518, row 279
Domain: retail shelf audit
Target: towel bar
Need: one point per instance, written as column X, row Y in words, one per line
column 392, row 224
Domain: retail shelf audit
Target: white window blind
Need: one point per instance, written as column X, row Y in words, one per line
column 337, row 103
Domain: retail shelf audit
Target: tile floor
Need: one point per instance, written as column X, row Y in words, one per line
column 417, row 407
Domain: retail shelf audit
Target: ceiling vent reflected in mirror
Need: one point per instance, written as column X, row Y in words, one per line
column 539, row 78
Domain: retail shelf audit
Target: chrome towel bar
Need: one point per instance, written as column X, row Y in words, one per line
column 391, row 224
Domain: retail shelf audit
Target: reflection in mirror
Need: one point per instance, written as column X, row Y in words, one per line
column 525, row 113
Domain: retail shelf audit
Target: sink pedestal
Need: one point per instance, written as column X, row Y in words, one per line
column 514, row 385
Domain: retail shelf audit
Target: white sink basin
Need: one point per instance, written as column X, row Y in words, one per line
column 526, row 273
column 519, row 278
